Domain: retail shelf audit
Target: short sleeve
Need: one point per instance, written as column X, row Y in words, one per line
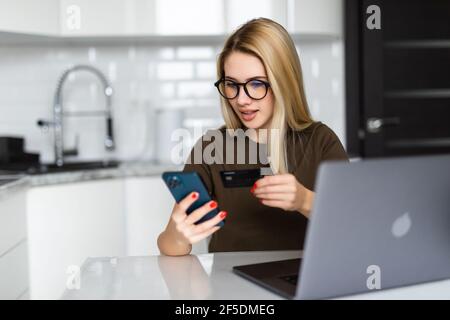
column 331, row 146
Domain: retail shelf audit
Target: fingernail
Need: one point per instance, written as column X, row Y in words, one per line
column 213, row 204
column 252, row 189
column 223, row 214
column 254, row 185
column 194, row 195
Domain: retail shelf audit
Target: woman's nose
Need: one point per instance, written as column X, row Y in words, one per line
column 243, row 98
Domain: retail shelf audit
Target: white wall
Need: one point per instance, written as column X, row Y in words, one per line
column 324, row 81
column 144, row 77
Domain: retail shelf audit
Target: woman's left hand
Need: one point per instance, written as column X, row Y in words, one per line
column 285, row 192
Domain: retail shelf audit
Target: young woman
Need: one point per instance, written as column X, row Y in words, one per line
column 261, row 87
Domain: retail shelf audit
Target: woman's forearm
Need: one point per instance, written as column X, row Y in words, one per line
column 307, row 203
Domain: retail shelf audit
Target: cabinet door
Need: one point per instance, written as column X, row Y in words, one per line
column 12, row 220
column 68, row 223
column 194, row 17
column 239, row 12
column 14, row 272
column 25, row 16
column 107, row 17
column 148, row 208
column 13, row 245
column 316, row 17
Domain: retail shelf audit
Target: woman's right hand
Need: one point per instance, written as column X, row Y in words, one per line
column 186, row 231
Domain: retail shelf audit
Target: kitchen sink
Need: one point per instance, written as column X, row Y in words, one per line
column 72, row 166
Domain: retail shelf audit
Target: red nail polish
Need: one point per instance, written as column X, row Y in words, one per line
column 254, row 185
column 252, row 189
column 194, row 195
column 223, row 214
column 213, row 204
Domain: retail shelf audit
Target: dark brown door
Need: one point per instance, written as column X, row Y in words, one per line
column 404, row 74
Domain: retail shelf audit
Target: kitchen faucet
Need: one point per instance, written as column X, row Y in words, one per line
column 58, row 114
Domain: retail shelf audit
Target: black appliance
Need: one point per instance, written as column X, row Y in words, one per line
column 13, row 156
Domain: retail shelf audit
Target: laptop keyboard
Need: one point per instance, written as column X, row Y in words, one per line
column 293, row 278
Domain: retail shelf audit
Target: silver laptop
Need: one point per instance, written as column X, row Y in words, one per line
column 376, row 224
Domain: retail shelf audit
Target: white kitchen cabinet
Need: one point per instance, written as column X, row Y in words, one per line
column 239, row 12
column 315, row 17
column 32, row 17
column 107, row 17
column 13, row 245
column 121, row 18
column 68, row 223
column 194, row 17
column 148, row 207
column 12, row 220
column 14, row 272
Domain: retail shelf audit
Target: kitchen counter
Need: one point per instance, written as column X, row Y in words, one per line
column 126, row 169
column 12, row 185
column 203, row 276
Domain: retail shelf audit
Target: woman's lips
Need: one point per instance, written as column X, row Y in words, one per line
column 248, row 115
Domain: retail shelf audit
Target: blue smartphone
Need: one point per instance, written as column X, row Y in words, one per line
column 181, row 184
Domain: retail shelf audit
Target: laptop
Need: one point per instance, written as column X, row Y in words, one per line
column 375, row 224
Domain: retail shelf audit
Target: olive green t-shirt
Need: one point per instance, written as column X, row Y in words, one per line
column 250, row 225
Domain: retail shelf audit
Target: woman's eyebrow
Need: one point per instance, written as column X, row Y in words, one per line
column 252, row 78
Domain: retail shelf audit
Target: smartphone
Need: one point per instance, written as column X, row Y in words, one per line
column 181, row 184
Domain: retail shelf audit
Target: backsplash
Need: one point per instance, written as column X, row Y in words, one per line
column 152, row 84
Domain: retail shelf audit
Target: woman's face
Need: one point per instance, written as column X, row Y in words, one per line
column 254, row 114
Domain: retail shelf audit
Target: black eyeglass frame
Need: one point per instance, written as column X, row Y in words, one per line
column 244, row 85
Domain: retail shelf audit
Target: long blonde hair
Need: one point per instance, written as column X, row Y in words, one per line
column 272, row 45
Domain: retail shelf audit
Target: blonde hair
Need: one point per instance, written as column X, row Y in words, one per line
column 272, row 45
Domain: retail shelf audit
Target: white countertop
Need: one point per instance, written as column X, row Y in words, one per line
column 124, row 170
column 203, row 276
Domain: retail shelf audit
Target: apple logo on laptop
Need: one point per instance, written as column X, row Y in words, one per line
column 401, row 225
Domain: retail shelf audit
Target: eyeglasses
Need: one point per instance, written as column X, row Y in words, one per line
column 254, row 88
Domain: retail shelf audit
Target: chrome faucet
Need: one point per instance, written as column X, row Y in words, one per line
column 58, row 114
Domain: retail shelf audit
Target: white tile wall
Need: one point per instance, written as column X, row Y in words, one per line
column 323, row 73
column 145, row 78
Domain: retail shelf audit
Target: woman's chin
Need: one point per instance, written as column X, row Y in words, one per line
column 251, row 125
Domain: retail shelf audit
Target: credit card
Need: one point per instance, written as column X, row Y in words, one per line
column 243, row 178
